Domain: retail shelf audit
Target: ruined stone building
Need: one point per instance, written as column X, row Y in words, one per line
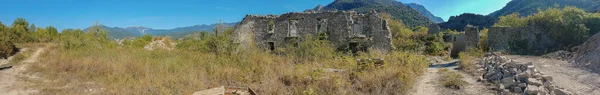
column 346, row 30
column 464, row 40
column 524, row 40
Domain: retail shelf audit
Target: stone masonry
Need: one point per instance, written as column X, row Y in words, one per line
column 345, row 29
column 462, row 41
column 525, row 40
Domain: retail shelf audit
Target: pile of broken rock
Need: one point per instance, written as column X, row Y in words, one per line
column 509, row 75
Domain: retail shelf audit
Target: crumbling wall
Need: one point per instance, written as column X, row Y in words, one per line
column 471, row 36
column 463, row 41
column 522, row 40
column 341, row 29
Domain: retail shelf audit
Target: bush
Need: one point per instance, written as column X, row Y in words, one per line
column 95, row 37
column 139, row 42
column 451, row 79
column 567, row 26
column 468, row 60
column 7, row 49
column 483, row 40
column 512, row 20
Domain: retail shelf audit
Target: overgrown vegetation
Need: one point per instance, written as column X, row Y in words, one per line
column 77, row 60
column 452, row 79
column 468, row 60
column 416, row 39
column 568, row 27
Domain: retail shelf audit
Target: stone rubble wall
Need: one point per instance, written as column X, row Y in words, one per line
column 518, row 77
column 341, row 27
column 523, row 40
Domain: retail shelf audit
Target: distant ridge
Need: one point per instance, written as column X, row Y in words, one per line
column 397, row 9
column 425, row 12
column 530, row 7
column 137, row 31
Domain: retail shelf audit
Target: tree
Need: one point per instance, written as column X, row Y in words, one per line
column 42, row 35
column 32, row 28
column 566, row 26
column 19, row 32
column 52, row 32
column 6, row 46
column 512, row 20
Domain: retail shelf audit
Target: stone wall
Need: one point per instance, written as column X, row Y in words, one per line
column 343, row 29
column 522, row 40
column 460, row 42
column 471, row 36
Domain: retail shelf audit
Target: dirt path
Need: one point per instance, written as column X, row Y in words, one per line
column 426, row 84
column 429, row 82
column 578, row 81
column 12, row 80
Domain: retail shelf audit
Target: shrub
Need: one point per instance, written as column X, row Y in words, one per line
column 468, row 60
column 451, row 79
column 7, row 49
column 512, row 20
column 483, row 40
column 566, row 26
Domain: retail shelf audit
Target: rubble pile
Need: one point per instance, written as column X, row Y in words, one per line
column 588, row 54
column 559, row 55
column 511, row 76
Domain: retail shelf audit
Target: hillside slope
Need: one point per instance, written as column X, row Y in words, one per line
column 118, row 32
column 459, row 23
column 398, row 10
column 425, row 12
column 529, row 7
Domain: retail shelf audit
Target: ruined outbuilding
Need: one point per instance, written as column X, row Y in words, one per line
column 346, row 30
column 522, row 40
column 464, row 40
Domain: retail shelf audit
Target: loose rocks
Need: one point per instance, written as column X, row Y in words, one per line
column 517, row 77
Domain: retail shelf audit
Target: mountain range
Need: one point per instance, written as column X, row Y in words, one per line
column 137, row 31
column 398, row 10
column 529, row 7
column 421, row 9
column 411, row 14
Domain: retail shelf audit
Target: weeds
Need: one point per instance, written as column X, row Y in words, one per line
column 468, row 60
column 451, row 79
column 130, row 70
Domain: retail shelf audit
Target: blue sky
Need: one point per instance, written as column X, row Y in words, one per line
column 167, row 14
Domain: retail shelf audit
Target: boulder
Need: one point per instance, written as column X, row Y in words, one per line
column 547, row 78
column 489, row 74
column 509, row 82
column 523, row 77
column 506, row 73
column 535, row 82
column 561, row 92
column 495, row 77
column 532, row 90
column 517, row 89
column 522, row 85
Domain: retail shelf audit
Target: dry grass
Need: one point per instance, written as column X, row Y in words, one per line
column 128, row 70
column 452, row 79
column 468, row 60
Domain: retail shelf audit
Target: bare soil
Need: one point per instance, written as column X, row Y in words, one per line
column 429, row 82
column 12, row 80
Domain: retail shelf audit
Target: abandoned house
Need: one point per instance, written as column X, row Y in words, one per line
column 346, row 30
column 464, row 40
